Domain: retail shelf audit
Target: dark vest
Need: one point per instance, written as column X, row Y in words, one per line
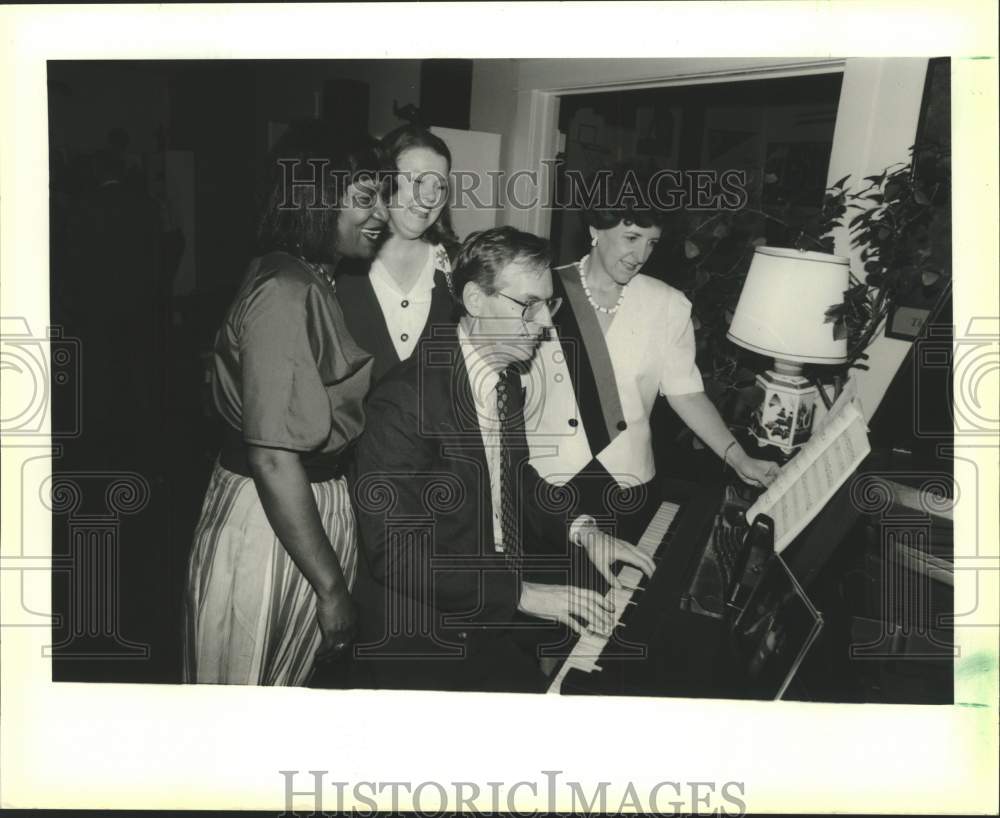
column 365, row 320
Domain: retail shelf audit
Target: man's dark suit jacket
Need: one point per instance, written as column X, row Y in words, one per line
column 438, row 604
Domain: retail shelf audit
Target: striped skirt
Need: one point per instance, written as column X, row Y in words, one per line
column 250, row 614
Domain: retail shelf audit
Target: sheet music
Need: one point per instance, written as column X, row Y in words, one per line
column 810, row 479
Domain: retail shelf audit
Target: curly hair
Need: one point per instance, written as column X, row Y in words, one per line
column 620, row 193
column 309, row 171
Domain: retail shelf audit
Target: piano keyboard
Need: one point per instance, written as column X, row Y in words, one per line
column 589, row 647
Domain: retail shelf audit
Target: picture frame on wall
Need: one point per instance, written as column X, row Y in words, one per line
column 912, row 309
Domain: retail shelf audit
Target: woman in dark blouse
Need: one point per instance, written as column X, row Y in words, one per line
column 275, row 550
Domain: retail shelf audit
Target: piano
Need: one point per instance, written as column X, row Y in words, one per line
column 672, row 637
column 674, row 634
column 643, row 654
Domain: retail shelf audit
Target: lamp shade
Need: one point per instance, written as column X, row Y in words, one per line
column 782, row 308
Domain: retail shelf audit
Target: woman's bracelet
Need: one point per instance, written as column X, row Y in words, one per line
column 725, row 454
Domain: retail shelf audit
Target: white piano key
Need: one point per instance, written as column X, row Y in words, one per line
column 629, row 575
column 590, row 646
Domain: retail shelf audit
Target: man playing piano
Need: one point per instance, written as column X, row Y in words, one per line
column 467, row 552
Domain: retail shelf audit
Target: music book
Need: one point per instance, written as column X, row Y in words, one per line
column 808, row 481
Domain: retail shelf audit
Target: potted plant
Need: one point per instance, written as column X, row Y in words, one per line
column 903, row 230
column 900, row 219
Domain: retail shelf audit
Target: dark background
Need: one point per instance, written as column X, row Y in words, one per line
column 140, row 280
column 143, row 338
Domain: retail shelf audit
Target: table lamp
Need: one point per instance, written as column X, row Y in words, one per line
column 782, row 314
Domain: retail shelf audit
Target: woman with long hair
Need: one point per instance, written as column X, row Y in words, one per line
column 404, row 292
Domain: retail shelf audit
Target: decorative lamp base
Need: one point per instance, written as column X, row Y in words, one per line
column 784, row 418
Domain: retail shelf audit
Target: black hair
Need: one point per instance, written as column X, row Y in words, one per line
column 621, row 193
column 309, row 171
column 486, row 253
column 394, row 144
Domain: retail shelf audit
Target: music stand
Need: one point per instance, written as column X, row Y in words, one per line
column 774, row 631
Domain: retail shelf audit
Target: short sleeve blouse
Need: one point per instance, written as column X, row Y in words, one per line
column 287, row 373
column 676, row 343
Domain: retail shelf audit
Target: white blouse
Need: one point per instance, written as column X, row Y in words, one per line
column 406, row 313
column 652, row 348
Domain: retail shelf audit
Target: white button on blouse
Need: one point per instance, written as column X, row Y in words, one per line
column 405, row 313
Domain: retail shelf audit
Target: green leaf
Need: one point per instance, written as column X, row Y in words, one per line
column 840, row 182
column 691, row 250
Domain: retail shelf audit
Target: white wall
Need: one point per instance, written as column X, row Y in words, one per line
column 876, row 124
column 474, row 155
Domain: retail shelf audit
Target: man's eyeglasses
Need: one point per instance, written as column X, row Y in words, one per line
column 531, row 311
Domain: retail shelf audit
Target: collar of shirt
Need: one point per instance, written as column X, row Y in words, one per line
column 421, row 289
column 483, row 378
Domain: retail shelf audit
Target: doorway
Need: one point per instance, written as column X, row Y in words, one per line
column 777, row 131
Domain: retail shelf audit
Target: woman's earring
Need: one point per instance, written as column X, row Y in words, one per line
column 593, row 242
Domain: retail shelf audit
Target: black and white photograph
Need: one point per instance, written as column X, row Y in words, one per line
column 368, row 389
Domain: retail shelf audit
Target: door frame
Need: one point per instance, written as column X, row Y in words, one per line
column 542, row 116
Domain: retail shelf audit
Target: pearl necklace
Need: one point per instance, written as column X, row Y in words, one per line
column 590, row 298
